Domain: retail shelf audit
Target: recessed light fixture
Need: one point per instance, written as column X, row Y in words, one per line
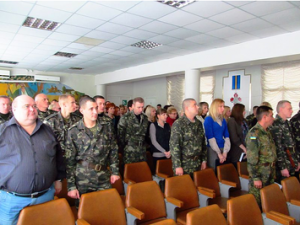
column 8, row 62
column 176, row 4
column 89, row 41
column 65, row 54
column 76, row 68
column 146, row 44
column 40, row 24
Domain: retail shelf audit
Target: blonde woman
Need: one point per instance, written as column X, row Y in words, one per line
column 217, row 134
column 151, row 113
column 226, row 113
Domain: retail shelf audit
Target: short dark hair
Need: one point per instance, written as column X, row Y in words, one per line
column 159, row 105
column 98, row 96
column 254, row 107
column 4, row 96
column 83, row 100
column 138, row 99
column 161, row 111
column 129, row 103
column 261, row 111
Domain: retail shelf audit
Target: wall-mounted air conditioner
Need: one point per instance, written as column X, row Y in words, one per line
column 4, row 74
column 50, row 79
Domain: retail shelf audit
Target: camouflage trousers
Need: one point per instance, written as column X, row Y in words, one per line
column 134, row 154
column 189, row 166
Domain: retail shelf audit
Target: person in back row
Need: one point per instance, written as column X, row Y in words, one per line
column 42, row 104
column 5, row 107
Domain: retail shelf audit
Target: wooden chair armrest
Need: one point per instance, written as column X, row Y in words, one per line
column 175, row 201
column 207, row 191
column 245, row 176
column 280, row 218
column 135, row 212
column 128, row 181
column 162, row 175
column 82, row 222
column 228, row 183
column 295, row 202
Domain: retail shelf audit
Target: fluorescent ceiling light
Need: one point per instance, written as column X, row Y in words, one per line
column 40, row 24
column 8, row 62
column 76, row 68
column 146, row 44
column 176, row 4
column 65, row 54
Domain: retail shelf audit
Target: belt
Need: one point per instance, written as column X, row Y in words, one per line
column 193, row 157
column 90, row 165
column 33, row 195
column 268, row 164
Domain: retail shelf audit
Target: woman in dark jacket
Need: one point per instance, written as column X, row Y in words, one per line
column 238, row 129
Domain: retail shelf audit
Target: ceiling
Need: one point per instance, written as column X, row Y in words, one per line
column 194, row 28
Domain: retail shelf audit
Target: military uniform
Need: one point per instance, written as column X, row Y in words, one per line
column 43, row 115
column 285, row 146
column 5, row 117
column 60, row 126
column 261, row 155
column 295, row 125
column 89, row 152
column 187, row 145
column 249, row 118
column 131, row 134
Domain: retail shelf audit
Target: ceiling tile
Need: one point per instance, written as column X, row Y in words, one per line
column 12, row 18
column 180, row 18
column 272, row 31
column 23, row 8
column 79, row 46
column 120, row 5
column 202, row 39
column 225, row 32
column 121, row 53
column 72, row 50
column 162, row 39
column 101, row 49
column 9, row 27
column 291, row 26
column 112, row 45
column 252, row 25
column 22, row 37
column 140, row 34
column 232, row 17
column 63, row 37
column 204, row 26
column 125, row 40
column 92, row 53
column 132, row 49
column 34, row 32
column 263, row 8
column 207, row 8
column 151, row 9
column 56, row 42
column 48, row 47
column 241, row 38
column 184, row 44
column 108, row 56
column 97, row 11
column 6, row 35
column 100, row 35
column 158, row 27
column 114, row 28
column 83, row 21
column 182, row 33
column 238, row 3
column 130, row 20
column 219, row 43
column 24, row 43
column 165, row 48
column 69, row 29
column 49, row 14
column 43, row 52
column 69, row 6
column 283, row 17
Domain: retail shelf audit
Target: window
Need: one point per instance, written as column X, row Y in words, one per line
column 207, row 86
column 176, row 90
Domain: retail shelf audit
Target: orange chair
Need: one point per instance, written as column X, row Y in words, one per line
column 145, row 204
column 229, row 181
column 164, row 168
column 274, row 204
column 118, row 185
column 243, row 174
column 209, row 215
column 181, row 197
column 101, row 207
column 209, row 189
column 291, row 189
column 53, row 212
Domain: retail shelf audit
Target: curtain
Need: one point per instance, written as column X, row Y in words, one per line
column 207, row 86
column 176, row 90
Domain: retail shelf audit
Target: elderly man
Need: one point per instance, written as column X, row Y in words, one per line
column 30, row 161
column 42, row 104
column 5, row 107
column 187, row 142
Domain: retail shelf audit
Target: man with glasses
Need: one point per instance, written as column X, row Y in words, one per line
column 31, row 162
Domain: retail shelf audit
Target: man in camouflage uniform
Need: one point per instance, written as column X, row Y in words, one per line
column 42, row 103
column 251, row 119
column 295, row 123
column 132, row 129
column 90, row 149
column 5, row 107
column 261, row 153
column 288, row 157
column 187, row 142
column 61, row 121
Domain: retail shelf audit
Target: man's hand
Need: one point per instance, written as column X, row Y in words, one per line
column 179, row 171
column 114, row 178
column 258, row 184
column 203, row 166
column 57, row 186
column 74, row 194
column 285, row 173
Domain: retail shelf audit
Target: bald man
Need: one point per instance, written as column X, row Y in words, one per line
column 31, row 161
column 42, row 103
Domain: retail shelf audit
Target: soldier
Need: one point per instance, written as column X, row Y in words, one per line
column 90, row 149
column 295, row 123
column 5, row 106
column 288, row 158
column 42, row 104
column 251, row 119
column 100, row 100
column 61, row 121
column 261, row 152
column 132, row 129
column 187, row 142
column 54, row 105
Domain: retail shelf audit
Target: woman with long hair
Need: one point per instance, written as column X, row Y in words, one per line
column 226, row 113
column 150, row 112
column 217, row 134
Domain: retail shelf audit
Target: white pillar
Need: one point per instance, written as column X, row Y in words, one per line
column 192, row 84
column 101, row 90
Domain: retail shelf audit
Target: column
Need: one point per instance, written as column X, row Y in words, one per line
column 101, row 90
column 192, row 84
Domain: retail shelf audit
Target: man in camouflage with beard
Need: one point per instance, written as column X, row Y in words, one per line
column 187, row 142
column 90, row 149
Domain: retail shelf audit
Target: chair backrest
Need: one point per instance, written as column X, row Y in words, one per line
column 138, row 172
column 102, row 207
column 291, row 188
column 242, row 168
column 209, row 215
column 53, row 212
column 229, row 173
column 164, row 166
column 183, row 189
column 207, row 178
column 243, row 210
column 118, row 185
column 272, row 199
column 148, row 198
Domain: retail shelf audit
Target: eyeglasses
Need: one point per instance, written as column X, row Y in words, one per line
column 28, row 106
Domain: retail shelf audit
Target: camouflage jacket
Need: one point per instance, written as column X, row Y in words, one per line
column 130, row 130
column 59, row 127
column 295, row 124
column 2, row 120
column 283, row 138
column 249, row 118
column 81, row 145
column 260, row 149
column 187, row 141
column 43, row 115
